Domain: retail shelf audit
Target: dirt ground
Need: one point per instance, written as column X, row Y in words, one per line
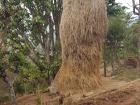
column 129, row 94
column 118, row 90
column 113, row 92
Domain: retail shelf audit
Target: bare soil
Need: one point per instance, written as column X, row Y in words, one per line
column 129, row 94
column 113, row 92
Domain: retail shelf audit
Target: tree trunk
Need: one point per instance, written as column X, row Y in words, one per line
column 113, row 61
column 12, row 93
column 139, row 40
column 104, row 59
column 138, row 51
column 82, row 30
column 50, row 47
column 57, row 35
column 136, row 11
column 105, row 69
column 10, row 86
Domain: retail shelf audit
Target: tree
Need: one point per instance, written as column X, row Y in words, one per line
column 10, row 55
column 36, row 24
column 13, row 50
column 82, row 32
column 131, row 40
column 115, row 37
column 136, row 11
column 113, row 9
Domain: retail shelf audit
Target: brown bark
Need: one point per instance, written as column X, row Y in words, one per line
column 105, row 69
column 12, row 94
column 104, row 59
column 113, row 62
column 82, row 30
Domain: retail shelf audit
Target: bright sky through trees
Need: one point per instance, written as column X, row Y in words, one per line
column 127, row 3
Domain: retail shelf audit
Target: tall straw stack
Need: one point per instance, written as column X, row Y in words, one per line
column 82, row 31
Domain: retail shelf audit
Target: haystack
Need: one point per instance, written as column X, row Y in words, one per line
column 82, row 31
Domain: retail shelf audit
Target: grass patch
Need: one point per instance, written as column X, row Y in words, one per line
column 4, row 99
column 128, row 74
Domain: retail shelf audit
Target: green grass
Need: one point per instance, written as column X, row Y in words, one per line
column 4, row 96
column 128, row 74
column 4, row 99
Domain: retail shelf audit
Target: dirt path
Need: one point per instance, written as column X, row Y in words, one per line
column 113, row 92
column 125, row 95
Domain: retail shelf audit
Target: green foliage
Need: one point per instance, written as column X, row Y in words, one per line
column 131, row 40
column 117, row 29
column 121, row 40
column 39, row 97
column 115, row 38
column 114, row 8
column 28, row 26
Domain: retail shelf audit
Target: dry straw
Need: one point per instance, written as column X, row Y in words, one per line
column 82, row 29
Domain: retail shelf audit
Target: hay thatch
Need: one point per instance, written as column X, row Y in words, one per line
column 82, row 29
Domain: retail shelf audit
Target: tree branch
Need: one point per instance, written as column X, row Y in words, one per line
column 135, row 8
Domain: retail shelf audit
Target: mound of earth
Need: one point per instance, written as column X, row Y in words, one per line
column 128, row 94
column 112, row 93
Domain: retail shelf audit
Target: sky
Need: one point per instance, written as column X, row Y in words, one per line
column 127, row 3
